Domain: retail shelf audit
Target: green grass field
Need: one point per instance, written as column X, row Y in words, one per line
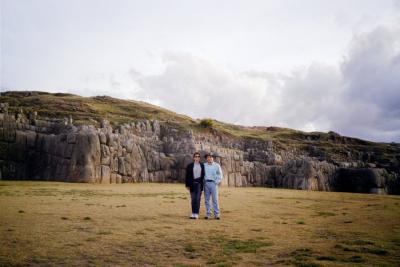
column 64, row 224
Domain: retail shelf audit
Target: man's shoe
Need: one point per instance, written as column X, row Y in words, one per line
column 217, row 218
column 207, row 217
column 192, row 216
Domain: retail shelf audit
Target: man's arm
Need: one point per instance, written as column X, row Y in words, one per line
column 187, row 177
column 219, row 174
column 203, row 174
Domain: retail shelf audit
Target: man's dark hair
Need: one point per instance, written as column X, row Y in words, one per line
column 196, row 153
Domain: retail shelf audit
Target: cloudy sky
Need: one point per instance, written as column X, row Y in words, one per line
column 310, row 65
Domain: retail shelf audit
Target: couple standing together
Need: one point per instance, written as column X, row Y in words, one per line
column 205, row 176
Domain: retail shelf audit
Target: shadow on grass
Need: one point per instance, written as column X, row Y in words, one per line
column 227, row 249
column 324, row 214
column 363, row 249
column 301, row 257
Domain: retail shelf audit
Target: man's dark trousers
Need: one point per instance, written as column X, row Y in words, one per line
column 195, row 193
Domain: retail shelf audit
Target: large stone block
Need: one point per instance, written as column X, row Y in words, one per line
column 231, row 179
column 111, row 140
column 102, row 138
column 113, row 178
column 105, row 155
column 71, row 138
column 118, row 179
column 4, row 151
column 60, row 149
column 361, row 180
column 129, row 145
column 9, row 134
column 114, row 164
column 31, row 139
column 85, row 158
column 167, row 163
column 121, row 166
column 238, row 179
column 105, row 174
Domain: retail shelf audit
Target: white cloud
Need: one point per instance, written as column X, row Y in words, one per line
column 359, row 97
column 202, row 89
column 371, row 72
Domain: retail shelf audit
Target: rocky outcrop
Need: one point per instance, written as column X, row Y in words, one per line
column 153, row 151
column 363, row 180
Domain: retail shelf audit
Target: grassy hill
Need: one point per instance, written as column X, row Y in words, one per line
column 91, row 110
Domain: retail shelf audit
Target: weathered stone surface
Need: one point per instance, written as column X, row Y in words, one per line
column 71, row 138
column 113, row 178
column 121, row 166
column 105, row 155
column 105, row 174
column 118, row 179
column 361, row 180
column 307, row 174
column 85, row 159
column 103, row 138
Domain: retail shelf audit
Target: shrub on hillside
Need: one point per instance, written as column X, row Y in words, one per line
column 206, row 123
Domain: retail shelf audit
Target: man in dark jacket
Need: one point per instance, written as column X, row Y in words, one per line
column 195, row 183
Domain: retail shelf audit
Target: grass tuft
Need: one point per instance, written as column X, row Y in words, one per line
column 326, row 258
column 104, row 232
column 355, row 259
column 376, row 251
column 306, row 264
column 325, row 213
column 396, row 241
column 301, row 253
column 359, row 242
column 302, row 258
column 242, row 246
column 189, row 248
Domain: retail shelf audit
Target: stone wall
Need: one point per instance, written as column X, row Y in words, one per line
column 150, row 151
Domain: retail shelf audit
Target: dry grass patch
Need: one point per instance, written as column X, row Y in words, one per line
column 138, row 225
